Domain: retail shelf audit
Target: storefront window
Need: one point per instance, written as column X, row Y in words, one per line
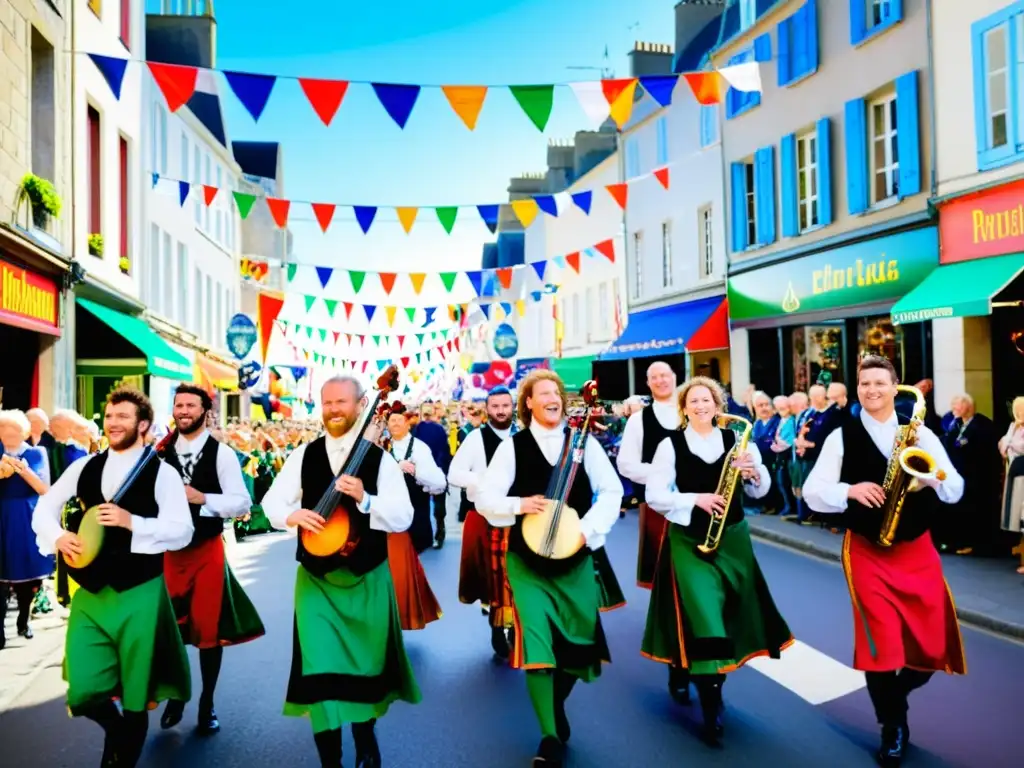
column 878, row 336
column 817, row 348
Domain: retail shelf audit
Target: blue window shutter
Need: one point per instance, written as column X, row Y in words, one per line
column 856, row 156
column 761, row 6
column 895, row 12
column 810, row 12
column 908, row 134
column 799, row 36
column 824, row 172
column 790, row 198
column 785, row 65
column 739, row 207
column 858, row 21
column 763, row 48
column 764, row 190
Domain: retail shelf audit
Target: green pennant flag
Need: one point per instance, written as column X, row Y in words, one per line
column 410, row 312
column 297, row 328
column 376, row 340
column 448, row 278
column 292, row 269
column 444, row 334
column 244, row 203
column 428, row 355
column 309, row 332
column 310, row 300
column 331, row 304
column 419, row 338
column 334, row 363
column 536, row 101
column 433, row 335
column 446, row 215
column 323, row 334
column 284, row 324
column 418, row 356
column 357, row 279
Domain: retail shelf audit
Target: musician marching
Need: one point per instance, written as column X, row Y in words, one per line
column 905, row 624
column 122, row 637
column 348, row 658
column 212, row 608
column 557, row 598
column 708, row 582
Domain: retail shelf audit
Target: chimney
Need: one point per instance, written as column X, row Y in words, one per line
column 183, row 33
column 692, row 16
column 650, row 59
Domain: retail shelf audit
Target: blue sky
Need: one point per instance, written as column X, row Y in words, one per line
column 364, row 158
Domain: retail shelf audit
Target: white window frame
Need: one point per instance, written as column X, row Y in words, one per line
column 632, row 158
column 706, row 235
column 748, row 13
column 990, row 74
column 208, row 180
column 888, row 139
column 197, row 303
column 166, row 305
column 666, row 254
column 808, row 181
column 750, row 190
column 219, row 214
column 184, row 156
column 638, row 264
column 197, row 203
column 661, row 141
column 182, row 283
column 603, row 309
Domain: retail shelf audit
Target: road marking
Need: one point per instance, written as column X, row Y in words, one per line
column 812, row 675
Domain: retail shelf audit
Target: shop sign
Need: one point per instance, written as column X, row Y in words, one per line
column 506, row 344
column 241, row 335
column 870, row 272
column 989, row 223
column 28, row 300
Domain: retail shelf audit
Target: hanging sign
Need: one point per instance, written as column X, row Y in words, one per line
column 506, row 343
column 241, row 335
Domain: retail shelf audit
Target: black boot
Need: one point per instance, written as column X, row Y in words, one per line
column 107, row 717
column 209, row 667
column 328, row 747
column 679, row 684
column 499, row 643
column 564, row 684
column 173, row 712
column 550, row 753
column 207, row 723
column 441, row 533
column 895, row 739
column 367, row 750
column 130, row 745
column 25, row 592
column 709, row 687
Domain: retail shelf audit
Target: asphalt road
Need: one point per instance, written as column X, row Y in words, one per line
column 808, row 709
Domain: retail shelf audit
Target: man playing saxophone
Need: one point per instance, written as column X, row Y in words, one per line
column 887, row 475
column 710, row 608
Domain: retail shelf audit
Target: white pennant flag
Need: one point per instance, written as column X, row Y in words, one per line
column 592, row 101
column 743, row 77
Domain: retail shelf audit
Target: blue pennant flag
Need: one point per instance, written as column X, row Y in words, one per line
column 535, row 295
column 397, row 99
column 560, row 261
column 506, row 307
column 429, row 312
column 324, row 273
column 365, row 215
column 539, row 267
column 583, row 200
column 476, row 280
column 369, row 309
column 660, row 87
column 252, row 90
column 183, row 187
column 156, row 178
column 547, row 204
column 486, row 309
column 489, row 213
column 112, row 70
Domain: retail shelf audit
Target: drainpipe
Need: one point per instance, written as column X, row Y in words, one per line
column 931, row 99
column 74, row 122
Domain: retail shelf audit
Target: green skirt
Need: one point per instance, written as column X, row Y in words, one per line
column 557, row 618
column 125, row 645
column 723, row 606
column 348, row 656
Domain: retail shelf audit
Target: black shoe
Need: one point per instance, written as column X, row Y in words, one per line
column 562, row 722
column 894, row 745
column 499, row 643
column 173, row 712
column 26, row 632
column 550, row 753
column 439, row 538
column 679, row 685
column 712, row 729
column 208, row 723
column 367, row 749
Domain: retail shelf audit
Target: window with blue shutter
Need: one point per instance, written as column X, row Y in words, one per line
column 708, row 125
column 798, row 45
column 856, row 133
column 739, row 207
column 763, row 48
column 870, row 18
column 661, row 127
column 738, row 102
column 997, row 49
column 824, row 129
column 764, row 186
column 788, row 193
column 908, row 134
column 632, row 158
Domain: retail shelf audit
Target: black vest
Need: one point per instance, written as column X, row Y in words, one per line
column 205, row 480
column 653, row 436
column 421, row 531
column 491, row 443
column 116, row 565
column 533, row 475
column 864, row 463
column 317, row 476
column 694, row 475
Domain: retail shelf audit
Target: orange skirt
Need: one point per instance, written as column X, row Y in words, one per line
column 417, row 605
column 652, row 532
column 475, row 565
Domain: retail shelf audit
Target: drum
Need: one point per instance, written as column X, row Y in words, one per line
column 90, row 533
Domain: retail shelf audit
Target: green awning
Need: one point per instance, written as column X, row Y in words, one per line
column 160, row 358
column 964, row 289
column 574, row 371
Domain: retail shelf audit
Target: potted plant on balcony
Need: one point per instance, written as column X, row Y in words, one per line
column 42, row 197
column 96, row 245
column 125, row 265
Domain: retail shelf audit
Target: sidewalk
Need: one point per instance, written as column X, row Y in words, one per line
column 22, row 660
column 988, row 592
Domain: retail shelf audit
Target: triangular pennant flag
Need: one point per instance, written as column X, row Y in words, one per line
column 620, row 99
column 505, row 277
column 183, row 187
column 410, row 312
column 405, row 362
column 357, row 279
column 428, row 313
column 407, row 215
column 176, row 83
column 401, row 341
column 744, row 77
column 348, row 309
column 368, row 310
column 156, row 178
column 583, row 200
column 525, row 210
column 506, row 307
column 323, row 334
column 573, row 260
column 290, row 270
column 536, row 101
column 365, row 215
column 466, row 101
column 332, row 306
column 446, row 216
column 376, row 340
column 279, row 210
column 390, row 313
column 365, row 363
column 660, row 87
column 449, row 345
column 444, row 334
column 521, row 307
column 448, row 278
column 252, row 90
column 387, row 280
column 324, row 212
column 335, row 334
column 539, row 267
column 112, row 70
column 419, row 356
column 489, row 213
column 419, row 338
column 661, row 174
column 592, row 101
column 536, row 295
column 486, row 310
column 417, row 278
column 397, row 100
column 456, row 345
column 324, row 275
column 244, row 202
column 547, row 204
column 559, row 261
column 310, row 301
column 708, row 87
column 324, row 96
column 620, row 193
column 476, row 280
column 348, row 338
column 209, row 193
column 607, row 248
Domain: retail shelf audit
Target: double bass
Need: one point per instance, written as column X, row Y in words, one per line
column 337, row 538
column 555, row 533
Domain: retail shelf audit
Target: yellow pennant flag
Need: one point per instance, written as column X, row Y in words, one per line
column 521, row 306
column 498, row 311
column 622, row 105
column 467, row 101
column 390, row 312
column 525, row 210
column 417, row 278
column 407, row 216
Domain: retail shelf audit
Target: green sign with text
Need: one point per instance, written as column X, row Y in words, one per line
column 870, row 272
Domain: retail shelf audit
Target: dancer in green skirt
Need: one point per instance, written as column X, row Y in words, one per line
column 122, row 638
column 348, row 657
column 557, row 604
column 709, row 614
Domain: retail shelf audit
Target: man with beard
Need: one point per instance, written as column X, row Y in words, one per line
column 212, row 608
column 122, row 637
column 348, row 657
column 482, row 572
column 557, row 603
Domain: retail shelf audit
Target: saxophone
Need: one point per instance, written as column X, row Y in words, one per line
column 908, row 466
column 726, row 487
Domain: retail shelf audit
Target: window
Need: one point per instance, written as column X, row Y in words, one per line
column 207, row 179
column 748, row 13
column 208, row 310
column 588, row 314
column 666, row 254
column 638, row 264
column 707, row 253
column 807, row 180
column 166, row 307
column 219, row 213
column 738, row 102
column 603, row 310
column 662, row 141
column 750, row 200
column 44, row 132
column 197, row 304
column 798, row 44
column 708, row 125
column 126, row 23
column 123, row 191
column 182, row 315
column 577, row 327
column 885, row 158
column 869, row 18
column 753, row 200
column 153, row 265
column 197, row 178
column 632, row 158
column 95, row 172
column 219, row 317
column 998, row 52
column 184, row 156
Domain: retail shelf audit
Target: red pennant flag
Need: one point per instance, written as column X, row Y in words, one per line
column 440, row 351
column 607, row 248
column 348, row 309
column 619, row 192
column 279, row 210
column 708, row 87
column 324, row 96
column 387, row 279
column 456, row 345
column 176, row 83
column 348, row 338
column 324, row 212
column 405, row 362
column 365, row 363
column 612, row 89
column 449, row 345
column 573, row 260
column 401, row 341
column 662, row 175
column 209, row 193
column 505, row 277
column 337, row 335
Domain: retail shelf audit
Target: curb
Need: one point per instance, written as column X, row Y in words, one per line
column 975, row 619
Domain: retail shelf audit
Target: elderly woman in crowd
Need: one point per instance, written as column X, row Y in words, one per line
column 24, row 476
column 1012, row 449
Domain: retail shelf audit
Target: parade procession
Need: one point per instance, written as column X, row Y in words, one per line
column 610, row 386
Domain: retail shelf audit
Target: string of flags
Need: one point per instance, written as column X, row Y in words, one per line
column 599, row 99
column 405, row 361
column 291, row 328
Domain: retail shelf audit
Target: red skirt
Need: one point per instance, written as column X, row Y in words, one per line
column 417, row 605
column 475, row 565
column 652, row 531
column 903, row 612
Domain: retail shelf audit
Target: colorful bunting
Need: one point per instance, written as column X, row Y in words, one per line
column 279, row 210
column 417, row 278
column 365, row 215
column 607, row 248
column 324, row 96
column 446, row 216
column 397, row 100
column 244, row 202
column 525, row 210
column 357, row 279
column 324, row 212
column 183, row 187
column 536, row 101
column 466, row 101
column 662, row 176
column 406, row 215
column 176, row 83
column 620, row 99
column 448, row 278
column 583, row 200
column 324, row 275
column 489, row 213
column 619, row 192
column 660, row 87
column 252, row 90
column 390, row 312
column 573, row 260
column 505, row 277
column 387, row 281
column 708, row 87
column 112, row 69
column 209, row 193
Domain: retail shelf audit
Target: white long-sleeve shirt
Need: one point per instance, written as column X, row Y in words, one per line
column 500, row 509
column 170, row 530
column 429, row 476
column 233, row 499
column 390, row 509
column 824, row 493
column 470, row 462
column 632, row 445
column 677, row 508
